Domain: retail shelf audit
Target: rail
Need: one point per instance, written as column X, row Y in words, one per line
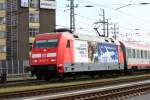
column 114, row 92
column 69, row 88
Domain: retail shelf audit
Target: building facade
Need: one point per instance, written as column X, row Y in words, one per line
column 20, row 21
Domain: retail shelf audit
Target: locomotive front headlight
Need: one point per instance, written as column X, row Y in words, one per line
column 53, row 60
column 36, row 55
column 60, row 64
column 35, row 61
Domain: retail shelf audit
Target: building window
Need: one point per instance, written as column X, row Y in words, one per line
column 2, row 6
column 2, row 48
column 30, row 46
column 2, row 20
column 33, row 31
column 2, row 34
column 34, row 17
column 34, row 3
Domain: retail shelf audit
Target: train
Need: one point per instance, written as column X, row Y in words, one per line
column 61, row 53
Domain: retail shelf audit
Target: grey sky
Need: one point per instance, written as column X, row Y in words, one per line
column 128, row 18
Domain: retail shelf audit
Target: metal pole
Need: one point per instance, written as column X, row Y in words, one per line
column 72, row 16
column 18, row 66
column 23, row 66
column 12, row 66
column 104, row 22
column 115, row 31
column 107, row 28
column 7, row 67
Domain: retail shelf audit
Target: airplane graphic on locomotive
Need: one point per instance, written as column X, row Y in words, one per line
column 61, row 53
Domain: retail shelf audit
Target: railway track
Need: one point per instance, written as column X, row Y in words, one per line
column 22, row 83
column 71, row 87
column 118, row 92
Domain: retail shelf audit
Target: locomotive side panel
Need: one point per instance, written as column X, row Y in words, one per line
column 65, row 52
column 94, row 56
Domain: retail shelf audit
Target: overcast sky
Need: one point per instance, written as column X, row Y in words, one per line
column 130, row 20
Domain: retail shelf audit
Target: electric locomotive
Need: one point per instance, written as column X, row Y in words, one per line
column 61, row 53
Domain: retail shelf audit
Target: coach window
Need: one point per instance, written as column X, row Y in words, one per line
column 128, row 52
column 138, row 54
column 149, row 54
column 141, row 53
column 68, row 44
column 136, row 51
column 145, row 54
column 133, row 53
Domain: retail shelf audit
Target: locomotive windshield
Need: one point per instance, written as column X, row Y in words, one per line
column 46, row 43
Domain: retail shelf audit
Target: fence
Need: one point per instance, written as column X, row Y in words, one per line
column 14, row 67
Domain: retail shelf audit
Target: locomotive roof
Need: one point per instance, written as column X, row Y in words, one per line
column 96, row 39
column 86, row 37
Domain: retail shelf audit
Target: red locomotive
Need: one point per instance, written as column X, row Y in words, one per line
column 62, row 53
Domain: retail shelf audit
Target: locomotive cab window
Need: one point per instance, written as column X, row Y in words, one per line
column 68, row 44
column 52, row 43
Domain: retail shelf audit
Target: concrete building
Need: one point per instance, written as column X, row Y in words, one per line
column 20, row 21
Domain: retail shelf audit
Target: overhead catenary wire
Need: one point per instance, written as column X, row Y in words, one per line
column 110, row 8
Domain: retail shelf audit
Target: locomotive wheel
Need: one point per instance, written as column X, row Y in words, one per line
column 75, row 77
column 60, row 77
column 39, row 76
column 47, row 76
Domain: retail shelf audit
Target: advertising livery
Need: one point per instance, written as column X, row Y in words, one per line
column 81, row 51
column 106, row 53
column 94, row 52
